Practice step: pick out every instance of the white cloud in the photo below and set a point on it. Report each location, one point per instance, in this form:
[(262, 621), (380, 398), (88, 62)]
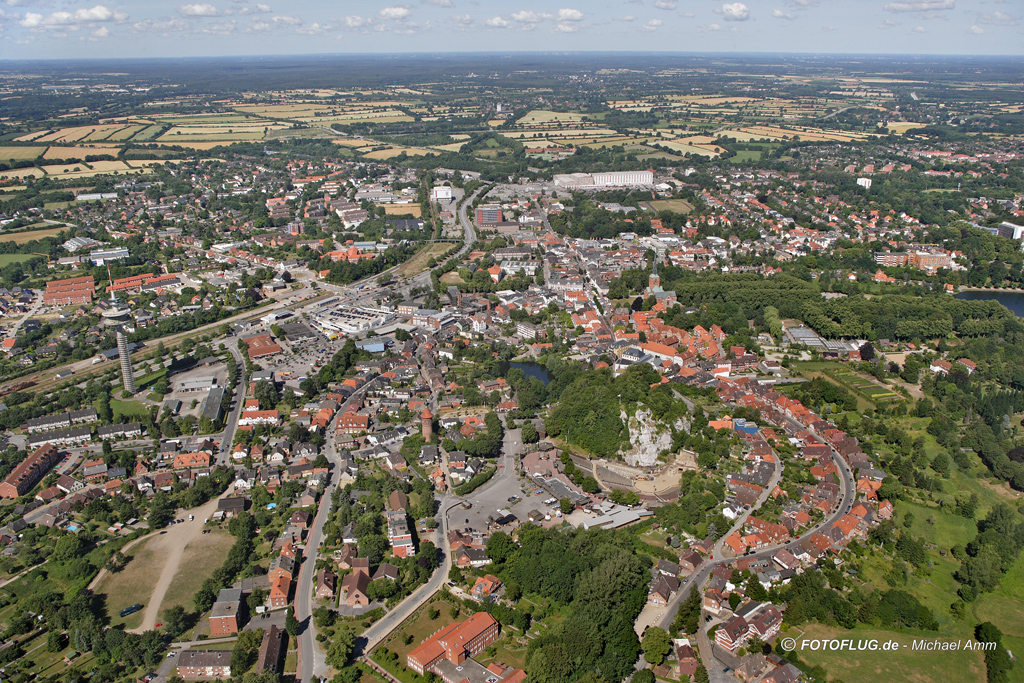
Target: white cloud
[(828, 29), (259, 26), (709, 28), (462, 19), (976, 30), (566, 28), (919, 29), (497, 22), (665, 4), (90, 15), (628, 17), (803, 4), (313, 29), (199, 10), (889, 23), (354, 22), (529, 17), (735, 11), (998, 19), (570, 15), (440, 3), (288, 21), (920, 6), (398, 12), (653, 25), (101, 32), (262, 9), (779, 14)]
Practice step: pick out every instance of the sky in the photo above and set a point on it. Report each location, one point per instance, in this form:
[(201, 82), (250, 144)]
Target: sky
[(68, 29)]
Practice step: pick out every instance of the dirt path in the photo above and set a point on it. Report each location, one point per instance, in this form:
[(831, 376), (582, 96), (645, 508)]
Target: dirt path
[(170, 545)]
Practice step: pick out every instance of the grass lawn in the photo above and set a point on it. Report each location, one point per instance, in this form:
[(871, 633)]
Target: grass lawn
[(6, 259), (131, 585), (290, 661), (676, 205), (509, 653), (902, 665), (128, 408), (199, 559), (420, 626), (947, 531)]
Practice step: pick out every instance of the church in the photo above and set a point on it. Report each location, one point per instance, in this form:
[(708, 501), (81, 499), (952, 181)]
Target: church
[(654, 287)]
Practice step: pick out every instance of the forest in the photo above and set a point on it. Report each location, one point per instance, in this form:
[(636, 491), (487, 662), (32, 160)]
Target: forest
[(598, 579)]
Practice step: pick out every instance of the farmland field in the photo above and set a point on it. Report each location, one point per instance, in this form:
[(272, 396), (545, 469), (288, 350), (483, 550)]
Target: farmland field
[(20, 153), (25, 237), (147, 133), (395, 151), (539, 116), (79, 152), (22, 173)]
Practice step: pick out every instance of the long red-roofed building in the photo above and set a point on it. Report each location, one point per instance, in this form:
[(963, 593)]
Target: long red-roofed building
[(456, 643)]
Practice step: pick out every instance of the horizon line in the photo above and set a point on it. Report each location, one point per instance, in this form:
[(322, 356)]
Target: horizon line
[(511, 53)]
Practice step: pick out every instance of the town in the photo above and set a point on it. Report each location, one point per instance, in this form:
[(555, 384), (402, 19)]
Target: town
[(288, 411)]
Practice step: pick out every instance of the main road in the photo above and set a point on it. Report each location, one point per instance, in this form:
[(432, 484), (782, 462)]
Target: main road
[(312, 659)]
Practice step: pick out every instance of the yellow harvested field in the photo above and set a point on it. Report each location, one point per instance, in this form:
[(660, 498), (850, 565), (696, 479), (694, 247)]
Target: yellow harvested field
[(493, 123), (79, 152), (25, 237), (173, 137), (540, 116), (349, 142), (402, 209), (452, 147), (394, 152), (685, 146), (191, 144), (20, 153), (903, 126), (560, 133), (777, 133), (31, 137), (76, 133), (22, 173), (712, 101)]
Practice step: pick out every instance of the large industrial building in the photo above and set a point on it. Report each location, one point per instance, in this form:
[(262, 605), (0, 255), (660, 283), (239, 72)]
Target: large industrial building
[(595, 181)]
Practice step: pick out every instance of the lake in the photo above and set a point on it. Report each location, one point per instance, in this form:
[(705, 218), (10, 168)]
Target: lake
[(529, 368), (1012, 300)]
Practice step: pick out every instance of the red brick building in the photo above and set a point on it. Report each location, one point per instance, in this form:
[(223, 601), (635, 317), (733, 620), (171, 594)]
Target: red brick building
[(30, 471), (456, 643)]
